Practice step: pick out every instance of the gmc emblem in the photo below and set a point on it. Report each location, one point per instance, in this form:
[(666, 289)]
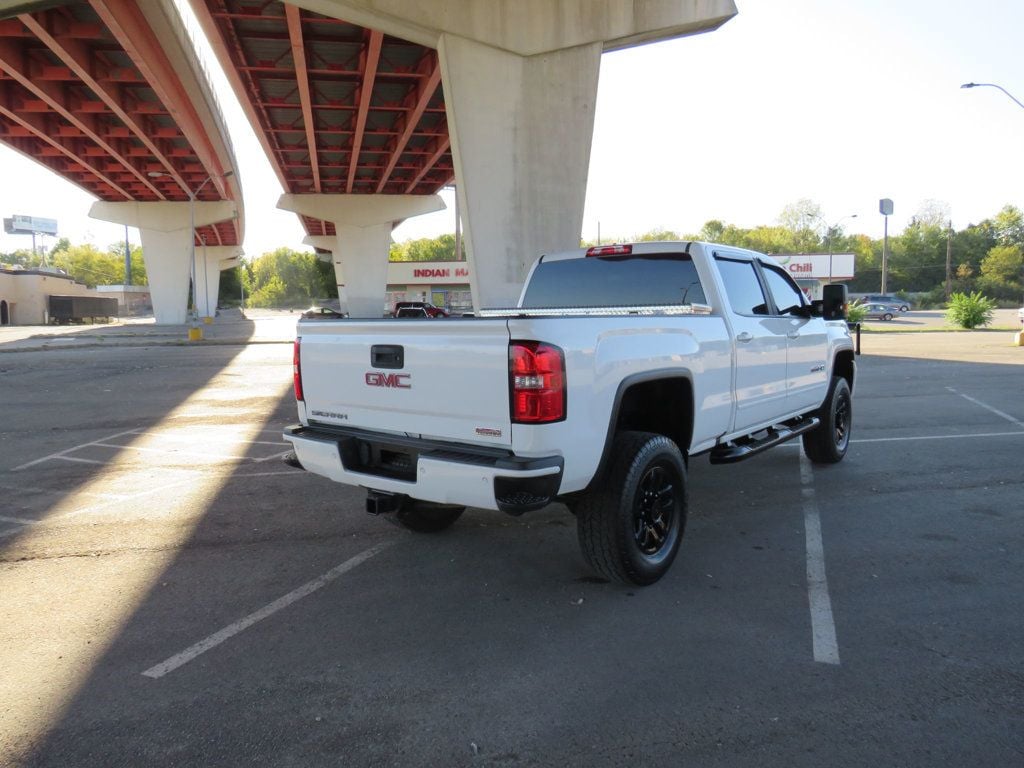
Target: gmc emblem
[(392, 380)]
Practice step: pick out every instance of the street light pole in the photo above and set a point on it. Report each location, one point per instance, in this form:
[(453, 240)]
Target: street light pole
[(994, 85), (1019, 104)]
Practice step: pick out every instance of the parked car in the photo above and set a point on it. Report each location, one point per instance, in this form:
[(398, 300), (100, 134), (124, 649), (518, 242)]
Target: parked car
[(418, 309), (875, 311), (322, 313), (881, 298), (1020, 315)]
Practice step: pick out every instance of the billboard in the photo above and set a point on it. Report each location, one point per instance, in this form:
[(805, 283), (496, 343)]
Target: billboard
[(29, 225)]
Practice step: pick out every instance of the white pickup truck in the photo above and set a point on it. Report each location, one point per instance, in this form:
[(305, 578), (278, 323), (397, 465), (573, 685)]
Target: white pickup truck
[(619, 364)]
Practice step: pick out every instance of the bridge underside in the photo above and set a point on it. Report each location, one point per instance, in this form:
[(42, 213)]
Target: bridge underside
[(340, 109), (87, 91)]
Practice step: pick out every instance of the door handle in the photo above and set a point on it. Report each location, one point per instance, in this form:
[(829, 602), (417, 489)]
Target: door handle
[(793, 335), (744, 337)]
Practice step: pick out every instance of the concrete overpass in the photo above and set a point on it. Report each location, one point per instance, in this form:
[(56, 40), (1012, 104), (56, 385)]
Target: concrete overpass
[(109, 94), (367, 107)]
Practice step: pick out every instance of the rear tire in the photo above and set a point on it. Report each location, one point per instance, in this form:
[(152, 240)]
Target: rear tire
[(631, 523), (424, 517), (829, 442)]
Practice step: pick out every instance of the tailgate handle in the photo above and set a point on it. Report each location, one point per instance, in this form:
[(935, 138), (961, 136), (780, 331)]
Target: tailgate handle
[(387, 356)]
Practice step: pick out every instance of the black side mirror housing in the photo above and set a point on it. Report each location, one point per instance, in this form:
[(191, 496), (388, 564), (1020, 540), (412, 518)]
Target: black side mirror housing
[(833, 302)]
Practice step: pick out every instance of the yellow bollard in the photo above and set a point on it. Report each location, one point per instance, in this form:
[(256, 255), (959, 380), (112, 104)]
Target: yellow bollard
[(195, 334), (1018, 339), (207, 321)]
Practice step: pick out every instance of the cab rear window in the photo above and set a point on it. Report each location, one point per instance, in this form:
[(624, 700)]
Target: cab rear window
[(634, 280)]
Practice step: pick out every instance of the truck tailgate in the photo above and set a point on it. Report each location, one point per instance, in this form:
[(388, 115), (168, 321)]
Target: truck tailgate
[(439, 379)]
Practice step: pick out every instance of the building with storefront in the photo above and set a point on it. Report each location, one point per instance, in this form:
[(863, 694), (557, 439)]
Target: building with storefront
[(812, 271), (442, 283), (25, 294)]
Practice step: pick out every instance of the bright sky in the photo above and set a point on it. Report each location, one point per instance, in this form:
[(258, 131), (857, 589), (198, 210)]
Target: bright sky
[(842, 103)]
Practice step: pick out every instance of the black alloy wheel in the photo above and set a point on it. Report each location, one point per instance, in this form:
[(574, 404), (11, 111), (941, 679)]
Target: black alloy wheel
[(655, 510)]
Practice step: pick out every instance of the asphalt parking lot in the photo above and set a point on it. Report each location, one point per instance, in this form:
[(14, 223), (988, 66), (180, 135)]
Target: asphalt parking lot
[(172, 594)]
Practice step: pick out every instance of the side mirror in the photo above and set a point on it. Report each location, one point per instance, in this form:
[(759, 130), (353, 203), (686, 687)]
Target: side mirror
[(833, 302)]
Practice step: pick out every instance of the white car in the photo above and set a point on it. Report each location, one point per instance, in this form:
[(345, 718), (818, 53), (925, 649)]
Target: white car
[(1020, 314)]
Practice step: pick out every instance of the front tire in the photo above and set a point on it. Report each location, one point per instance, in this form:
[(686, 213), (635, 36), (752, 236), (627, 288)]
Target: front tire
[(631, 524), (829, 442), (424, 517)]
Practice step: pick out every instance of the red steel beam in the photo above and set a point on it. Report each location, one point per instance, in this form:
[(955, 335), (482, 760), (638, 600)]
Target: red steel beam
[(75, 55), (133, 31), (365, 94), (442, 147), (424, 93), (302, 76), (36, 125), (12, 60)]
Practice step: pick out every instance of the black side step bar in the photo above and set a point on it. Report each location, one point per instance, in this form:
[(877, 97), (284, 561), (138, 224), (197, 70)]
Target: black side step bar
[(733, 452)]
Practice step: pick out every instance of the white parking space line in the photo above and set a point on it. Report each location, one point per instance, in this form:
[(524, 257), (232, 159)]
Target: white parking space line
[(272, 456), (796, 443), (61, 454), (173, 452), (17, 520), (292, 472), (988, 407), (24, 489), (78, 460), (937, 437), (177, 437), (823, 627), (270, 609)]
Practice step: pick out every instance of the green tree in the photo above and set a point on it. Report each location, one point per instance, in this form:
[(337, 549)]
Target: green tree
[(1001, 272), (87, 264), (440, 248), (293, 276), (272, 293), (657, 235), (1009, 226), (138, 264)]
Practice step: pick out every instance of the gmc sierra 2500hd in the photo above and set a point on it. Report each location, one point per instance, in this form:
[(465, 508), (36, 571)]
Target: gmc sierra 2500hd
[(619, 364)]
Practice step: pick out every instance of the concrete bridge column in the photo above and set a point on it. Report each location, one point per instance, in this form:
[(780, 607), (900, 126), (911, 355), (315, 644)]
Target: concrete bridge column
[(210, 262), (521, 129), (167, 247), (168, 268), (363, 225)]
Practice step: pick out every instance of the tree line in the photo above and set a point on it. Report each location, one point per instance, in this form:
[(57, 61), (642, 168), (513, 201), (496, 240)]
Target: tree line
[(987, 257)]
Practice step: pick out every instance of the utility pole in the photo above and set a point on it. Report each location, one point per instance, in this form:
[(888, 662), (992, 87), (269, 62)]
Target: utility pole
[(949, 259), (885, 208)]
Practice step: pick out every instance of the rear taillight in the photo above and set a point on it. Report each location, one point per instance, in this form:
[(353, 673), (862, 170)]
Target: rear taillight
[(297, 371), (536, 382)]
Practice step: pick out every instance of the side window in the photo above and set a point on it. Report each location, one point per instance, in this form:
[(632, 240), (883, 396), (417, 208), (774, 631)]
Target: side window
[(785, 292), (742, 287)]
